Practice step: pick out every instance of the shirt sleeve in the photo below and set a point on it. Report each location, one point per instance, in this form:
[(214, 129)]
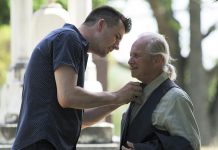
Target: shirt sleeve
[(174, 113), (66, 50)]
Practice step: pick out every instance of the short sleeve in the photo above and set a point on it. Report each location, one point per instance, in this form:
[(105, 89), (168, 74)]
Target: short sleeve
[(67, 50)]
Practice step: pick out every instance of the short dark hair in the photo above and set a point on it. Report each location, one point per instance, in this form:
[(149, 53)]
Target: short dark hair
[(110, 15)]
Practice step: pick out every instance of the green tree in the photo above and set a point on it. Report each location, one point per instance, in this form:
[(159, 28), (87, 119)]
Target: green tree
[(4, 52), (4, 12), (96, 3), (192, 75), (5, 7), (38, 3)]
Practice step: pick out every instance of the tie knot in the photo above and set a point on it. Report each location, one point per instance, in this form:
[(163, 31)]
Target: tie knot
[(142, 85)]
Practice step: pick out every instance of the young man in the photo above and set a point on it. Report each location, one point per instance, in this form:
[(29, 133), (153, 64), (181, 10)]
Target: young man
[(54, 104), (165, 120)]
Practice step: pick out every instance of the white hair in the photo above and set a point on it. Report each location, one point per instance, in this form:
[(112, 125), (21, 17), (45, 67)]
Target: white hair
[(158, 45)]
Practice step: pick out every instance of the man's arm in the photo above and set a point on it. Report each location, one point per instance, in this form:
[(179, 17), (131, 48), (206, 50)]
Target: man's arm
[(93, 115), (72, 96)]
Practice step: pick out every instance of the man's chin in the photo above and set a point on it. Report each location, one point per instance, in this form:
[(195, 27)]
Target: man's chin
[(133, 74), (103, 54)]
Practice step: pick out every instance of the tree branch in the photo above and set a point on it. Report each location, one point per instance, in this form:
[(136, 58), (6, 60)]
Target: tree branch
[(210, 30)]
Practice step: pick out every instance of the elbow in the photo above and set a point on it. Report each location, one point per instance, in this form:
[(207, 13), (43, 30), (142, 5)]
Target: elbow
[(67, 102), (68, 99), (63, 102), (86, 124)]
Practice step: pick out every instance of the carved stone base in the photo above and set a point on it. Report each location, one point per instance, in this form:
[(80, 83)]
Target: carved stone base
[(96, 137), (101, 132)]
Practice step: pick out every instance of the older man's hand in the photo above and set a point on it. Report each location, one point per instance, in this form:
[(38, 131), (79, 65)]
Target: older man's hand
[(130, 146)]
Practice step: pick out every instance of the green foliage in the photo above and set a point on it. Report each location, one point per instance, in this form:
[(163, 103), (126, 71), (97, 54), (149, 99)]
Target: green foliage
[(4, 11), (63, 3), (97, 3), (168, 4), (175, 25), (5, 7), (39, 3), (212, 88), (4, 52)]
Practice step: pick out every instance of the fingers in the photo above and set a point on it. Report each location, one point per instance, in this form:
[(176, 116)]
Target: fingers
[(129, 92), (130, 145), (136, 90), (124, 148), (137, 99), (135, 83)]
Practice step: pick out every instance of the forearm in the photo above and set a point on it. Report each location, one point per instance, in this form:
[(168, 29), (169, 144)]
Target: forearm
[(82, 99), (93, 115), (72, 96)]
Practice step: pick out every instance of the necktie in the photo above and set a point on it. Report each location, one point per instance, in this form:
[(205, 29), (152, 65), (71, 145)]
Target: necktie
[(135, 107)]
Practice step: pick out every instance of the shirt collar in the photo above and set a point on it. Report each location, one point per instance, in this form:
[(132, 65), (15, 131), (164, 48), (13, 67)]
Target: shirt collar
[(148, 89), (154, 84), (84, 41)]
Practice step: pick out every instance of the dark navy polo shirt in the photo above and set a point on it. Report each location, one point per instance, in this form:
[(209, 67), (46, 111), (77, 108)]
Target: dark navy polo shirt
[(41, 116)]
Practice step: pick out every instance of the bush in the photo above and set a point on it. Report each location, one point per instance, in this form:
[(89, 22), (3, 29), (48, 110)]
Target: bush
[(4, 52)]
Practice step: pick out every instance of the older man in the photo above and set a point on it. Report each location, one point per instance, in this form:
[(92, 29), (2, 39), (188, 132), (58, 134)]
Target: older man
[(165, 121)]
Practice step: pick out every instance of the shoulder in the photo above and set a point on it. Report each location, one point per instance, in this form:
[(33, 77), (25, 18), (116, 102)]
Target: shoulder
[(175, 98), (68, 34), (68, 39)]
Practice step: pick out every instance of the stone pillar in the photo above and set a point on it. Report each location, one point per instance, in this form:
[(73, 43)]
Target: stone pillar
[(102, 75), (21, 13), (79, 9), (46, 19)]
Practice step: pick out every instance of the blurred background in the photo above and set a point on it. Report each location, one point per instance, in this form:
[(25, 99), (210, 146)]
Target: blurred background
[(190, 27)]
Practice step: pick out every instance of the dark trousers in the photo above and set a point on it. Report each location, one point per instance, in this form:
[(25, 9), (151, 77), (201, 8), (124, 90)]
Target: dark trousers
[(40, 145)]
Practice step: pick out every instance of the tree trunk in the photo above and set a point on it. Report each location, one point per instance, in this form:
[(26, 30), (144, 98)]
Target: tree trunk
[(198, 84), (169, 26), (192, 73), (214, 112)]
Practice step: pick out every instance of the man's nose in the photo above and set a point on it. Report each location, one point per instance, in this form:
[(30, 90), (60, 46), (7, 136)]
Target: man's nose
[(130, 61), (116, 45)]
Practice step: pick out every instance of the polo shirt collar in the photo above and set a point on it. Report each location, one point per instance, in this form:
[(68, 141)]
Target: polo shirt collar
[(84, 41)]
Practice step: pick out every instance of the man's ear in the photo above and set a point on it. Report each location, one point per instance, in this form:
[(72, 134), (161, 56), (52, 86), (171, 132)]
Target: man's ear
[(158, 60), (100, 24)]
